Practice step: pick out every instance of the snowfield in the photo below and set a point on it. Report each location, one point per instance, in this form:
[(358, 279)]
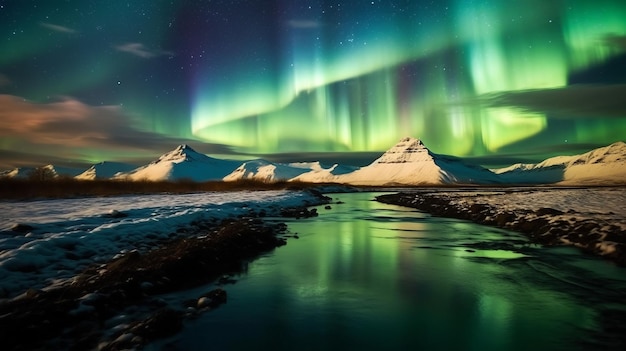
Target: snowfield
[(48, 241)]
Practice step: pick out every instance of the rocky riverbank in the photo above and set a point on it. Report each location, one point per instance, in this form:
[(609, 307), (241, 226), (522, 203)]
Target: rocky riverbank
[(117, 306), (598, 233)]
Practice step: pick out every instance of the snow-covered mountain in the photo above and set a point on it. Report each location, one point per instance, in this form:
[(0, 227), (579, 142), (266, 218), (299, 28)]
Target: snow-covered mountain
[(410, 163), (105, 170), (266, 171), (318, 174), (605, 165), (18, 173), (54, 171), (407, 163), (182, 163)]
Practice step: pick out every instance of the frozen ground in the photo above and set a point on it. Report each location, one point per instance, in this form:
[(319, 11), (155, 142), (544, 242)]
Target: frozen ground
[(593, 219), (57, 239), (607, 203)]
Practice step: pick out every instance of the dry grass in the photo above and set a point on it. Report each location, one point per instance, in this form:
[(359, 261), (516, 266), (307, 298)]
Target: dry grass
[(20, 189)]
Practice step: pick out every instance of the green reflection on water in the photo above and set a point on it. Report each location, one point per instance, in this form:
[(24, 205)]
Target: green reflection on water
[(368, 275)]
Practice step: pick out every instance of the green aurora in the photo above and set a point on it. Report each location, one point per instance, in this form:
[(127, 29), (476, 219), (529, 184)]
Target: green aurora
[(491, 79)]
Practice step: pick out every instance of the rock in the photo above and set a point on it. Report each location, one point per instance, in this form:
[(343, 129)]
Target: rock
[(298, 212), (548, 211), (165, 322), (115, 214), (22, 228), (213, 298), (503, 218), (203, 302), (532, 225), (327, 207)]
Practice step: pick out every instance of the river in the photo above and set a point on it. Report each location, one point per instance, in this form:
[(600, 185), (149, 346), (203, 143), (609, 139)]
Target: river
[(365, 275)]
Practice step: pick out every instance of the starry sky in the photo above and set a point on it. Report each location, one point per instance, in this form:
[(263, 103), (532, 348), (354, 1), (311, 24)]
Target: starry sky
[(494, 81)]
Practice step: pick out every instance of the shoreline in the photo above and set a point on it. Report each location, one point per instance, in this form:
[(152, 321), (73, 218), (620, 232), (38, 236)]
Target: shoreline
[(543, 225), (116, 305)]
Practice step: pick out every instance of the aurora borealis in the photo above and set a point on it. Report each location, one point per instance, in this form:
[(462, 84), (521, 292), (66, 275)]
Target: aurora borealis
[(500, 81)]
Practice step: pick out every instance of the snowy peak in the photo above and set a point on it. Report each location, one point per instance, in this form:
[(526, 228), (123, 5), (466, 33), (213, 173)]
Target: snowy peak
[(17, 173), (613, 153), (182, 153), (104, 170), (409, 162), (266, 171), (182, 163), (605, 165), (407, 150)]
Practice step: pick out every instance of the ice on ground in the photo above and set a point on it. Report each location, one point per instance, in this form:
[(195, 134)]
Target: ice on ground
[(59, 238)]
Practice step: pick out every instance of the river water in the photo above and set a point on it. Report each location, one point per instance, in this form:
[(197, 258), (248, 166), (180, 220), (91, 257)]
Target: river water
[(369, 276)]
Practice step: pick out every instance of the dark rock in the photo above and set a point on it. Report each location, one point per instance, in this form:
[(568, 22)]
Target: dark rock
[(213, 298), (533, 225), (616, 236), (546, 211), (298, 212), (503, 218), (163, 323), (327, 207), (22, 228)]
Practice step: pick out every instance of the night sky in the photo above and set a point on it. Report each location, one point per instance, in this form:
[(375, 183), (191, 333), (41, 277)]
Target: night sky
[(497, 81)]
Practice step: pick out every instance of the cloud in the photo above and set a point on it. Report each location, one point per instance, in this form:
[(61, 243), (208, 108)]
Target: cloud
[(70, 128), (304, 24), (140, 50), (57, 28), (572, 102)]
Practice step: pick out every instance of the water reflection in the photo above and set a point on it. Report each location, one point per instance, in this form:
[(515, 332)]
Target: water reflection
[(373, 276)]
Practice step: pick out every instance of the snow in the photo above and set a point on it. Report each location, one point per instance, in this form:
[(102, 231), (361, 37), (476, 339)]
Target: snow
[(182, 163), (105, 170), (319, 174), (25, 172), (266, 171), (410, 163), (70, 234), (603, 206), (608, 201), (602, 166), (19, 172)]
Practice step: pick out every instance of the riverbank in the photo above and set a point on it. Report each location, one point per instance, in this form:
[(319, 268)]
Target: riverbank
[(589, 219), (116, 305), (116, 272)]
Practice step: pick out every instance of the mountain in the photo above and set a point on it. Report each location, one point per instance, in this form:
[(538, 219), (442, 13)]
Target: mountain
[(105, 170), (318, 174), (182, 163), (602, 166), (18, 173), (51, 170), (410, 163), (266, 171)]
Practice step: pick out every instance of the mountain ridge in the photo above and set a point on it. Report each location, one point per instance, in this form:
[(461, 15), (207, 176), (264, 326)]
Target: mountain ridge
[(607, 163), (409, 162)]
